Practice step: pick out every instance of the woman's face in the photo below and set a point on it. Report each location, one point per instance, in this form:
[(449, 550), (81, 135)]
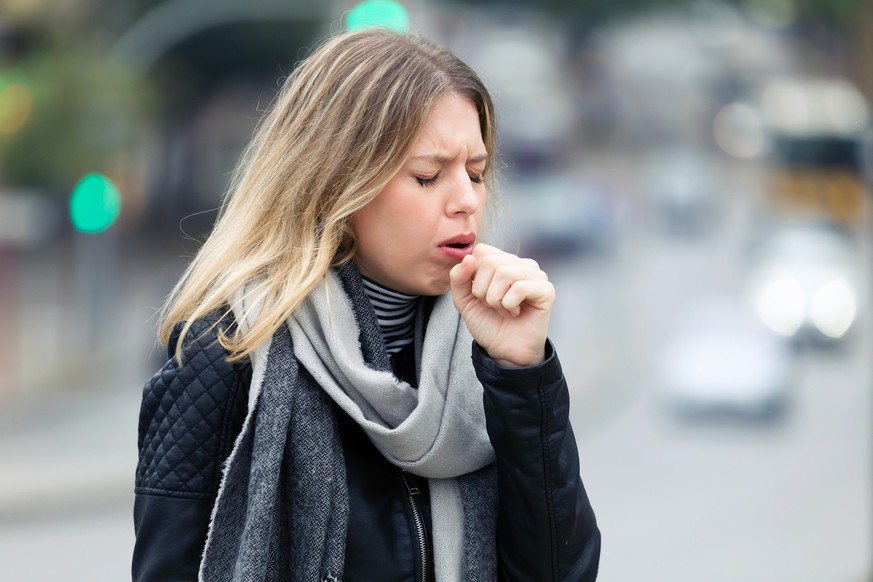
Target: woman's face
[(427, 217)]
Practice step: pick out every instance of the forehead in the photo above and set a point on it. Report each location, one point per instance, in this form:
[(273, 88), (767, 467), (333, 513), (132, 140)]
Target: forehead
[(451, 125)]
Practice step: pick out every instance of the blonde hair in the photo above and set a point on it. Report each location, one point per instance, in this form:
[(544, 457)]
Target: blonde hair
[(341, 126)]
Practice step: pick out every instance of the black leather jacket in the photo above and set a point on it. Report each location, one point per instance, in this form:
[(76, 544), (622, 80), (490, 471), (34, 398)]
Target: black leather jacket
[(191, 415)]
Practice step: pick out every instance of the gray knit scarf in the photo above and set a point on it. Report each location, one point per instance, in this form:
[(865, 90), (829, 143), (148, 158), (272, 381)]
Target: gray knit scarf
[(282, 508)]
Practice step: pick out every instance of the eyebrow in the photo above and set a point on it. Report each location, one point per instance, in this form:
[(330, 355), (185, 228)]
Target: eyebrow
[(442, 159)]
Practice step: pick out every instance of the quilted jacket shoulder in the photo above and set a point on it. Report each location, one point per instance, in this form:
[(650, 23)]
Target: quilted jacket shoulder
[(190, 415)]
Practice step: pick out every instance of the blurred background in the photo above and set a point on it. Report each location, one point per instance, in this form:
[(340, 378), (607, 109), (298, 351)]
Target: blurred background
[(694, 175)]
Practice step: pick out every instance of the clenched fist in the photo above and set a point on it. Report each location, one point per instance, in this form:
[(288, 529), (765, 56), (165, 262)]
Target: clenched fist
[(506, 302)]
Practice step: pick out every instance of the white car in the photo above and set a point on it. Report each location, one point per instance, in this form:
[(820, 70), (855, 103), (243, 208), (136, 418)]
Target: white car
[(722, 359), (805, 282)]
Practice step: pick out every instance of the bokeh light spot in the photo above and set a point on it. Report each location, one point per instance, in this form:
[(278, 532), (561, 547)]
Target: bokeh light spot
[(94, 204), (375, 13), (15, 107), (738, 131)]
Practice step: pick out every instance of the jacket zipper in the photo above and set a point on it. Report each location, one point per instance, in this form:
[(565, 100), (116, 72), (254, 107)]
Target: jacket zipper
[(414, 491)]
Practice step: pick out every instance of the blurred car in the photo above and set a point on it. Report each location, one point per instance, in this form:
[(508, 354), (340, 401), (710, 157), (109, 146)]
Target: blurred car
[(722, 360), (557, 215), (524, 62), (805, 281), (682, 185)]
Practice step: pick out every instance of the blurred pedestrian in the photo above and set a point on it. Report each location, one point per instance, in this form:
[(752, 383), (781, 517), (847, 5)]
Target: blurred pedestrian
[(320, 416)]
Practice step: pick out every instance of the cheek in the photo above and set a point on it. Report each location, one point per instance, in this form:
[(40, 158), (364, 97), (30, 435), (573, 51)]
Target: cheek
[(370, 236), (414, 218), (393, 228)]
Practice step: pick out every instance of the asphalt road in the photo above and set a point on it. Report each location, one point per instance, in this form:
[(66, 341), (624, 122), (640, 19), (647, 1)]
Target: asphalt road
[(721, 500)]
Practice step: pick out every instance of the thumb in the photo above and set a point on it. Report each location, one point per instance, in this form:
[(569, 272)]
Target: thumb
[(461, 277)]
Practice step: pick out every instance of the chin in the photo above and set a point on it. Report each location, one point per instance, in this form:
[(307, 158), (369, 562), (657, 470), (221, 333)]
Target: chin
[(430, 285), (440, 290), (440, 286), (425, 284)]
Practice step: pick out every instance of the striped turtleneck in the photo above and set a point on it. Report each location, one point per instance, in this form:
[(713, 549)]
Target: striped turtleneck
[(395, 313)]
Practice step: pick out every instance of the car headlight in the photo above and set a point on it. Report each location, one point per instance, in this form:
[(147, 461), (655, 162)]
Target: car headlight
[(833, 308), (781, 305)]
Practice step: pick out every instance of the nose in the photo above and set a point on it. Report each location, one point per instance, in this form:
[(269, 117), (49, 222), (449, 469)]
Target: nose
[(463, 195)]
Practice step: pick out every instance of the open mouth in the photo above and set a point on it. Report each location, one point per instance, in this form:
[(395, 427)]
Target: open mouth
[(461, 241), (458, 247)]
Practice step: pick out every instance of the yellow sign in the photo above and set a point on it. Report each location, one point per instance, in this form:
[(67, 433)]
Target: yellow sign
[(836, 193)]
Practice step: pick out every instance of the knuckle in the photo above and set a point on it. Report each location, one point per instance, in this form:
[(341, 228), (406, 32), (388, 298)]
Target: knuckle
[(531, 264), (486, 260), (550, 289), (503, 271)]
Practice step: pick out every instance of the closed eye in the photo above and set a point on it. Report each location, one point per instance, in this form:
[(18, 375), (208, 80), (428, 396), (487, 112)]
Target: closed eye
[(430, 180), (426, 181)]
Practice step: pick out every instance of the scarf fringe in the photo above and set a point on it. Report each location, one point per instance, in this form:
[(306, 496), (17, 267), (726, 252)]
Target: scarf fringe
[(274, 517)]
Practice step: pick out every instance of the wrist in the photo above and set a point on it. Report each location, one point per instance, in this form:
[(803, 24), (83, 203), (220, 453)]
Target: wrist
[(524, 361), (482, 361)]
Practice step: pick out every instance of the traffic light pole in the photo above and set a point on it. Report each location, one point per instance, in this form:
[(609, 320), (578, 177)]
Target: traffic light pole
[(10, 307), (96, 267)]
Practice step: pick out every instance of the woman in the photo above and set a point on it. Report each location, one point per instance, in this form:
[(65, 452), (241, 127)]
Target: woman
[(320, 417)]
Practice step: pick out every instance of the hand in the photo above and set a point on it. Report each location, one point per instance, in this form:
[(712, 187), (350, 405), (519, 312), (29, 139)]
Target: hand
[(506, 302)]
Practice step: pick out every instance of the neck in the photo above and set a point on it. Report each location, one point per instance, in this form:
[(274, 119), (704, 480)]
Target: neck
[(395, 312)]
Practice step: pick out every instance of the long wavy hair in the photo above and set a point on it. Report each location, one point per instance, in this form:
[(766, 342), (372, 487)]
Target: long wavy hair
[(339, 129)]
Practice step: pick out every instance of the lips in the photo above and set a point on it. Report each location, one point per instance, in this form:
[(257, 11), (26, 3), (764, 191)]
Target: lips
[(459, 246)]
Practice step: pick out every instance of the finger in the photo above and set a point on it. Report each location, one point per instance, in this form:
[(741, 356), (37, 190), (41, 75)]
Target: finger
[(488, 253), (461, 276), (488, 260), (482, 249), (532, 268), (504, 277), (537, 294), (504, 269)]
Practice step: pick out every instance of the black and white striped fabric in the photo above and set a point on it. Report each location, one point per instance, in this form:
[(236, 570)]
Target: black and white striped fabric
[(395, 313)]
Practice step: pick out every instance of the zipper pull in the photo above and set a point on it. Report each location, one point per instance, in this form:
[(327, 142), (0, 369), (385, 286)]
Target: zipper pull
[(411, 483)]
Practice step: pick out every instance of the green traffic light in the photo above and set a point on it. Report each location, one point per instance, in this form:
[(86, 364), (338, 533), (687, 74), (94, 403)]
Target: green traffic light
[(371, 13), (94, 204)]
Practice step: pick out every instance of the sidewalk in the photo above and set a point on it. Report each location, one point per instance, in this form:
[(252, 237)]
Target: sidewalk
[(73, 450), (68, 421), (67, 466)]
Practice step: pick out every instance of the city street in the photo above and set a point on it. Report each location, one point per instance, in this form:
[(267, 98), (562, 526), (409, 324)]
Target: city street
[(786, 498), (696, 178)]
